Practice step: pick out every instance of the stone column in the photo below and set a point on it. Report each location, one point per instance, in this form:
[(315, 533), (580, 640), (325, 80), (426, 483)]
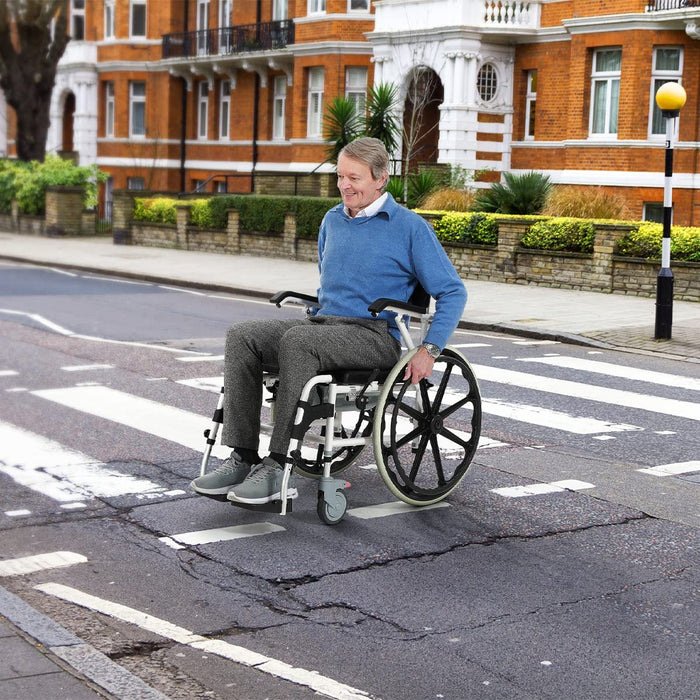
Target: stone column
[(182, 215), (122, 213), (289, 236), (233, 232), (602, 269), (64, 211)]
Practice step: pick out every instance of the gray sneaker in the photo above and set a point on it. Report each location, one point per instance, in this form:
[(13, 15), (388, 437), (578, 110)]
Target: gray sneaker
[(263, 484), (217, 483)]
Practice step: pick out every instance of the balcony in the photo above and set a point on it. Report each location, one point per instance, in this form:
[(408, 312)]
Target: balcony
[(497, 17), (229, 41), (661, 5)]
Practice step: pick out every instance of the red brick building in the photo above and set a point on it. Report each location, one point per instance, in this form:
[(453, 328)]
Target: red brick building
[(230, 94)]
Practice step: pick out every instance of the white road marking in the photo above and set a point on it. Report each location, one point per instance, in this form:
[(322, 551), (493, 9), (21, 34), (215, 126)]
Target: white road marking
[(672, 469), (167, 422), (212, 384), (17, 513), (70, 334), (300, 676), (39, 562), (8, 373), (539, 489), (65, 475), (577, 390), (621, 371), (549, 418), (536, 342), (222, 534), (381, 510), (209, 358), (84, 368), (471, 345)]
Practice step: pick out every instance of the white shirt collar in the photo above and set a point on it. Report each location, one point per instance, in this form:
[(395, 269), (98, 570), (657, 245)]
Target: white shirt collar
[(370, 209)]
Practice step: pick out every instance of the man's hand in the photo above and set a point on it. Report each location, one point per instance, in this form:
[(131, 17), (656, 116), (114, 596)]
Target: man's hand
[(419, 366)]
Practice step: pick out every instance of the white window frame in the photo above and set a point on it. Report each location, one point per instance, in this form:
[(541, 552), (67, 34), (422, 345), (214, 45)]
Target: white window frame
[(279, 107), (364, 5), (658, 77), (280, 10), (225, 13), (132, 7), (135, 182), (316, 7), (77, 13), (530, 104), (135, 101), (225, 111), (314, 108), (356, 87), (610, 81), (109, 19), (110, 110), (202, 110)]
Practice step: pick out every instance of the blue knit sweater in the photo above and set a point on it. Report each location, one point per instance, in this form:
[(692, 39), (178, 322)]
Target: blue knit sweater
[(365, 258)]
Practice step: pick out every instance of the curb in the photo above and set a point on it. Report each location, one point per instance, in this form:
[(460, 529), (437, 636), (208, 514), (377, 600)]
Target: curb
[(72, 654)]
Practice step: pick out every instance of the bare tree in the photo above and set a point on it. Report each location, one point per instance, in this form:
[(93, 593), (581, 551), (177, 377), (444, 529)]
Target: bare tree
[(33, 37)]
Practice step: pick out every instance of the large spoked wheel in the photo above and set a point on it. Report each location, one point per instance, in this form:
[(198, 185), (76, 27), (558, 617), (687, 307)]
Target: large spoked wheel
[(311, 462), (425, 435)]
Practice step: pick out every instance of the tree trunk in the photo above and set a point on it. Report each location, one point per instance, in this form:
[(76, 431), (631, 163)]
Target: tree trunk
[(29, 54)]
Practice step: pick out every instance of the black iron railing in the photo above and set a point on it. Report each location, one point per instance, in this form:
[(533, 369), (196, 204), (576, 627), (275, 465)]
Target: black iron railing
[(657, 5), (264, 36)]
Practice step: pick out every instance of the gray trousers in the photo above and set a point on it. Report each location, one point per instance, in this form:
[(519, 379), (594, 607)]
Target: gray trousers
[(300, 349)]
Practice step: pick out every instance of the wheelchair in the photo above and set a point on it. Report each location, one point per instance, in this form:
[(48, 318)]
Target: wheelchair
[(424, 435)]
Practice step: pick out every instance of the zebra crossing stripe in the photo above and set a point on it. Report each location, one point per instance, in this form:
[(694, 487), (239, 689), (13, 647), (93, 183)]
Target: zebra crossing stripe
[(589, 392), (39, 562), (620, 371), (381, 510), (672, 469), (539, 489), (220, 534)]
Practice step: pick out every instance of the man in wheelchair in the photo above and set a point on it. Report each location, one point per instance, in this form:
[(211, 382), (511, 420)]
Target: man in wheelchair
[(369, 247)]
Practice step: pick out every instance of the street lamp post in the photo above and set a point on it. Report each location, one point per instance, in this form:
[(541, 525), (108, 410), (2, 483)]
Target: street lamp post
[(670, 98)]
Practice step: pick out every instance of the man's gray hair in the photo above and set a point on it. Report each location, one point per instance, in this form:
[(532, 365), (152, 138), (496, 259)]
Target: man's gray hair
[(370, 151)]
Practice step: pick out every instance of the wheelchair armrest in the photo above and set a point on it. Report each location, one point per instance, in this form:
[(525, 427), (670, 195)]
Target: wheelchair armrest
[(394, 305), (288, 297)]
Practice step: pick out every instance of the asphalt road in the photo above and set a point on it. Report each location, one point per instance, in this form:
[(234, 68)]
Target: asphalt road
[(564, 565)]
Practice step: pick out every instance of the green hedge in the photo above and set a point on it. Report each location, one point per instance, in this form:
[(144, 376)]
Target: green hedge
[(264, 213), (27, 182), (571, 235), (467, 227), (645, 242)]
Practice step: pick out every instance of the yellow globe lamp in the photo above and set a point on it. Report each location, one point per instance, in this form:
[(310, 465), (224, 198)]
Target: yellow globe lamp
[(671, 97)]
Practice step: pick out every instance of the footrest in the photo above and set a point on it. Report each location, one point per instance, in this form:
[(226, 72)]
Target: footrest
[(271, 507)]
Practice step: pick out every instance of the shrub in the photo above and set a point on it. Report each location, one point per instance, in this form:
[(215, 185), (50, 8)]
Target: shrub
[(645, 242), (310, 212), (467, 228), (420, 185), (31, 180), (520, 194), (449, 199), (159, 210), (395, 187), (8, 182), (585, 203), (572, 235)]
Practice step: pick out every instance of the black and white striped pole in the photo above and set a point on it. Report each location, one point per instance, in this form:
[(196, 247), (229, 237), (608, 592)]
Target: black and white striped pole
[(670, 98)]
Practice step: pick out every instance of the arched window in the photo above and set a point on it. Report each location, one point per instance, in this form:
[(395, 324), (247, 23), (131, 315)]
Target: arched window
[(487, 82)]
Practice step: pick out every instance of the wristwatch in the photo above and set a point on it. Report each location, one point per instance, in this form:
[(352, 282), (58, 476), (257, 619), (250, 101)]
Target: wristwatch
[(433, 350)]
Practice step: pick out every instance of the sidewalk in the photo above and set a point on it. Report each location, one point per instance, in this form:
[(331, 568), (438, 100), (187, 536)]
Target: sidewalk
[(591, 318)]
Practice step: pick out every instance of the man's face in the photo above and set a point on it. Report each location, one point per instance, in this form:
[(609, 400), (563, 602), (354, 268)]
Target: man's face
[(357, 186)]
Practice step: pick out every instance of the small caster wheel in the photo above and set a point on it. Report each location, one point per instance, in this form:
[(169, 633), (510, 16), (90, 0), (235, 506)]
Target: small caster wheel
[(331, 513)]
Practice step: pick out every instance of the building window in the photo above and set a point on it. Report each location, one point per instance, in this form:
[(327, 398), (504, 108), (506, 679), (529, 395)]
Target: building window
[(137, 18), (198, 186), (202, 110), (356, 87), (530, 104), (202, 27), (280, 10), (358, 5), (653, 211), (220, 186), (605, 91), (109, 109), (224, 110), (109, 19), (487, 82), (314, 126), (135, 183), (279, 106), (137, 109), (667, 68), (225, 13), (316, 7), (77, 20)]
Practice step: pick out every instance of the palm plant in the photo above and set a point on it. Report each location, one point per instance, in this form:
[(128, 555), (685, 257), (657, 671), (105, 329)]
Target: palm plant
[(520, 194), (381, 120), (343, 124)]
